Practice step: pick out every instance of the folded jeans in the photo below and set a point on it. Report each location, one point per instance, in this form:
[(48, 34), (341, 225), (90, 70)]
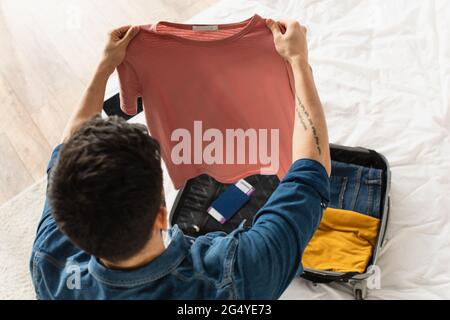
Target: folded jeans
[(355, 188)]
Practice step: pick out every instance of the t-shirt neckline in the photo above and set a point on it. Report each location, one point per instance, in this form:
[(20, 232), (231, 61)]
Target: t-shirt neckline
[(247, 23)]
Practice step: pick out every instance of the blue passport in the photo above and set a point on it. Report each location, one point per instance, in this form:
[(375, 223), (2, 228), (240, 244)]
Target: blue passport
[(230, 201)]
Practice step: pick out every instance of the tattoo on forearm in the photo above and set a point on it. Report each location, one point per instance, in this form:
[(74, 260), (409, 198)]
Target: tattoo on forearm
[(302, 113), (302, 121)]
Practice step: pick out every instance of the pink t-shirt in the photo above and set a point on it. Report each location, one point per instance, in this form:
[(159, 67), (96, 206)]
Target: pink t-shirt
[(218, 98)]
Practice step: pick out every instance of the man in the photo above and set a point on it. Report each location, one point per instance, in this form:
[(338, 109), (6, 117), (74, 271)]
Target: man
[(101, 233)]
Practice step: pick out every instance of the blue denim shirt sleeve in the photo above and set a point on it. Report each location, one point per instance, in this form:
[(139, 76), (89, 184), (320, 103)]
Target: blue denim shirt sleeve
[(256, 263), (268, 255), (47, 222)]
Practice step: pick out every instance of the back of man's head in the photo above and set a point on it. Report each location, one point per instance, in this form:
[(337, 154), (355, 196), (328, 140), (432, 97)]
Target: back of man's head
[(105, 190)]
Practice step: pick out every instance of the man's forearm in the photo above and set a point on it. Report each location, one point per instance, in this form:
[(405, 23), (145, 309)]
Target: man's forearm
[(310, 136), (92, 101)]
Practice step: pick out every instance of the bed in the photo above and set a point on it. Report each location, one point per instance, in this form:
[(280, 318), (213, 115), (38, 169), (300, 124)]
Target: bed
[(383, 73)]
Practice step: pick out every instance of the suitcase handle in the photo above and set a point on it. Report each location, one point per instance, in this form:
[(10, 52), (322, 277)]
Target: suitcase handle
[(318, 278)]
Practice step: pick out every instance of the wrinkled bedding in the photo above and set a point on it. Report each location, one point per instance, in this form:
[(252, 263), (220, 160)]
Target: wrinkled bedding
[(382, 69)]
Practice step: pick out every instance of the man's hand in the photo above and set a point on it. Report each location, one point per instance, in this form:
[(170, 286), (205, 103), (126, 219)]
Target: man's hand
[(290, 40), (92, 101), (116, 47)]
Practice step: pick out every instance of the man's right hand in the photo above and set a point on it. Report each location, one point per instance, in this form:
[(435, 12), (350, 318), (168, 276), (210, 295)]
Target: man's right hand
[(290, 44), (116, 46)]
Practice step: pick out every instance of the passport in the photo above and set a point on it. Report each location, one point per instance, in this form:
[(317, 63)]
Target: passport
[(230, 201)]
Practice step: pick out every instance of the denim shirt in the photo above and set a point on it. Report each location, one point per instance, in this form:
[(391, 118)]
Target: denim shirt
[(252, 263)]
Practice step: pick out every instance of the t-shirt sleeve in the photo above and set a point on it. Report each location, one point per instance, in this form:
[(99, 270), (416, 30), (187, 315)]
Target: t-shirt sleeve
[(130, 88)]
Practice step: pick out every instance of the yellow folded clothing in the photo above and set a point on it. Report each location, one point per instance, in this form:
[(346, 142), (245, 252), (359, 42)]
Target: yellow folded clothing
[(343, 242)]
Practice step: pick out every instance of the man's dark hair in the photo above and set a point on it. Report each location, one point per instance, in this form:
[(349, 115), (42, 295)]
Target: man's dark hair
[(106, 188)]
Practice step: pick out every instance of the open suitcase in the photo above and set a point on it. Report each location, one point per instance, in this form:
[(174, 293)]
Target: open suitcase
[(189, 210), (192, 201)]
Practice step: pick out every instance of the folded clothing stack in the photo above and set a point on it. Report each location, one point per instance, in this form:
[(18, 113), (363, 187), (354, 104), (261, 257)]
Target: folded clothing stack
[(348, 231)]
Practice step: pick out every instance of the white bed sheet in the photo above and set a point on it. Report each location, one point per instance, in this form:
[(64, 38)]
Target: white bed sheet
[(383, 73)]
